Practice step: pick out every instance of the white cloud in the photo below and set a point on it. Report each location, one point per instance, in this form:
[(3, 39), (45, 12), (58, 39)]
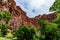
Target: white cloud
[(36, 3), (35, 7)]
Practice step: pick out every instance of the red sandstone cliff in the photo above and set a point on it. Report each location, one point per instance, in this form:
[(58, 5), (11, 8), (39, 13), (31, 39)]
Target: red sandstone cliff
[(19, 16)]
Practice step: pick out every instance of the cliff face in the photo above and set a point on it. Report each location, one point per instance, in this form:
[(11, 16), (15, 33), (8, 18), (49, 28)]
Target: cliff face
[(19, 16)]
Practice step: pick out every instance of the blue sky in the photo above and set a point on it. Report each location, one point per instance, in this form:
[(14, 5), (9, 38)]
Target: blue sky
[(35, 7)]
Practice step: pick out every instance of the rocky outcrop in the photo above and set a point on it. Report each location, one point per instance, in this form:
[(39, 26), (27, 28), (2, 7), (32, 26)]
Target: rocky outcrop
[(19, 16)]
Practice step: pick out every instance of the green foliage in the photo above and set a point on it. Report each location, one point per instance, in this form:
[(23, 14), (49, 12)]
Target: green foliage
[(1, 15), (56, 6), (57, 20), (42, 22), (49, 31), (5, 15), (51, 27), (4, 29), (24, 33)]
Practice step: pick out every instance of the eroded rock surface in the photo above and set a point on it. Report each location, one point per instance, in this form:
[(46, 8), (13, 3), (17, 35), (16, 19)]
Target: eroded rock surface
[(19, 16)]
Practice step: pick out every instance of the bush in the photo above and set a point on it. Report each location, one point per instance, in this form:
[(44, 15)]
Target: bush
[(7, 16), (4, 29), (24, 33)]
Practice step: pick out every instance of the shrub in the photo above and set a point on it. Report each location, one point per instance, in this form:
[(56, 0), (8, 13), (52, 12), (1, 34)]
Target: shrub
[(4, 29), (7, 16), (24, 33)]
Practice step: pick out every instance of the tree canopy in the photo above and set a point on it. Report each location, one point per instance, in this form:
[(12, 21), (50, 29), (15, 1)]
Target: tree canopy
[(56, 6)]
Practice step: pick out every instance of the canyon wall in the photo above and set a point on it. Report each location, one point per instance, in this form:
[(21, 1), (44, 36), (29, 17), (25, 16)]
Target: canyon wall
[(19, 17)]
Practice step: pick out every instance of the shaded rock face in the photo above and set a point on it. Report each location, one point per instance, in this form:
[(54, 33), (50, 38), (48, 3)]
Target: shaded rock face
[(19, 17)]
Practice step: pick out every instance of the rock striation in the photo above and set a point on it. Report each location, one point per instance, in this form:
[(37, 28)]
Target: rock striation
[(19, 17)]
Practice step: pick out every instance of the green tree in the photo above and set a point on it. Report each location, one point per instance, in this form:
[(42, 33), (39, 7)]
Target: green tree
[(4, 29), (6, 16), (56, 6), (24, 33), (42, 24), (48, 31)]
